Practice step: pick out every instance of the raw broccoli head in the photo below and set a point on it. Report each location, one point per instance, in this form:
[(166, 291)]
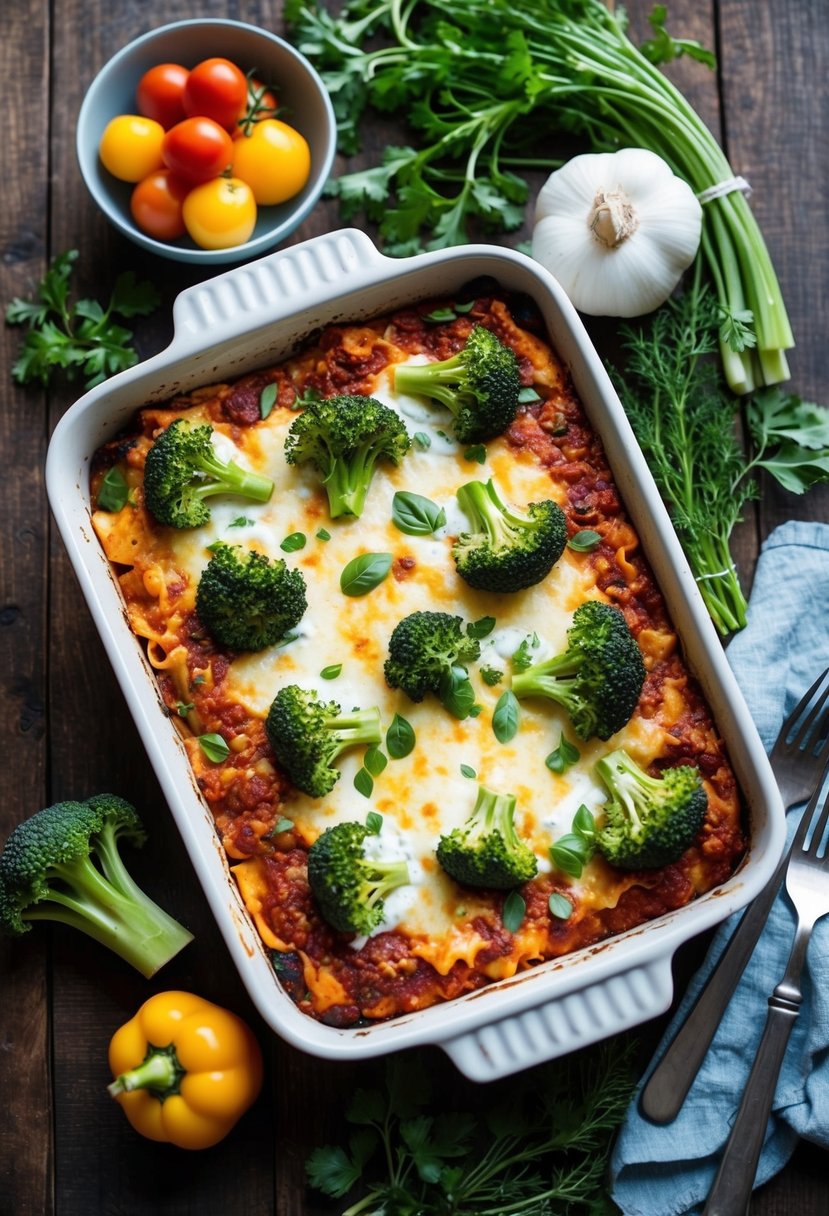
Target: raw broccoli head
[(343, 438), (64, 864), (307, 735), (480, 385), (487, 851), (505, 551), (599, 677), (246, 600), (182, 470), (650, 821), (348, 886), (427, 653)]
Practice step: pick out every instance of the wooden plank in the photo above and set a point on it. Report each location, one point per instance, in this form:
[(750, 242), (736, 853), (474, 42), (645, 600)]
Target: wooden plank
[(773, 61), (25, 1126)]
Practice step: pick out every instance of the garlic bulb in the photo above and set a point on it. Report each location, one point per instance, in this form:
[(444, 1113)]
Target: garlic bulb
[(616, 229)]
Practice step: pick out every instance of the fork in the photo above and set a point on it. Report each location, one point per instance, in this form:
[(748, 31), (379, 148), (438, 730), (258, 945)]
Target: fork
[(807, 884), (797, 760)]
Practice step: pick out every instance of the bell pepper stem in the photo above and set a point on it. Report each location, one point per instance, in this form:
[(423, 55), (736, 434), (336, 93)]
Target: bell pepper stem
[(159, 1072)]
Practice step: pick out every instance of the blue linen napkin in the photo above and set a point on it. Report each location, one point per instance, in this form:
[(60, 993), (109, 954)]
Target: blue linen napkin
[(668, 1170)]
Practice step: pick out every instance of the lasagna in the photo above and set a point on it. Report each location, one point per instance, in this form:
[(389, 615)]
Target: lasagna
[(434, 937)]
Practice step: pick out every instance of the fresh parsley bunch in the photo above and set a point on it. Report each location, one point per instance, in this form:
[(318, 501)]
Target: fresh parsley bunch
[(81, 337), (538, 1147)]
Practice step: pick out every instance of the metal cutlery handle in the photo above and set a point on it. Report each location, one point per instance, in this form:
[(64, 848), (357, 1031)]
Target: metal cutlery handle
[(668, 1084), (733, 1184)]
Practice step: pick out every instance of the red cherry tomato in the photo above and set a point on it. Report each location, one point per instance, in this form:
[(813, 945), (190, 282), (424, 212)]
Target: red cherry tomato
[(160, 94), (197, 149), (216, 89), (156, 205)]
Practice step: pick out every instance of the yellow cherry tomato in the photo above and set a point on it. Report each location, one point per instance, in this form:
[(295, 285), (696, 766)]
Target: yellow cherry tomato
[(185, 1070), (220, 213), (130, 147), (274, 160)]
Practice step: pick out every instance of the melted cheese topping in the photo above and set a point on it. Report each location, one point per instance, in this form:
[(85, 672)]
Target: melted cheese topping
[(425, 794)]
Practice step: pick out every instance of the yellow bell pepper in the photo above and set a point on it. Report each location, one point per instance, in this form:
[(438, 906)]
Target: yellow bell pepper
[(185, 1069)]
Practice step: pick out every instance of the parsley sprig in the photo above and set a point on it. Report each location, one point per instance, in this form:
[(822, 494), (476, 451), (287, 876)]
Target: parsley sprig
[(82, 337), (540, 1147)]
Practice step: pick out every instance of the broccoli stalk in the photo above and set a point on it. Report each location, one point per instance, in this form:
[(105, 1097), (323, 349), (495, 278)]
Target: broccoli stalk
[(487, 851), (650, 821), (307, 735), (247, 601), (348, 886), (182, 470), (506, 551), (343, 438), (64, 864), (479, 385), (597, 679), (427, 653)]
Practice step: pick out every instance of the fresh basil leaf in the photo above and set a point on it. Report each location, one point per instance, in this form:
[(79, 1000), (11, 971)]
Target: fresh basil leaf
[(331, 673), (457, 693), (214, 747), (183, 708), (481, 628), (422, 440), (506, 716), (463, 309), (282, 825), (364, 783), (416, 515), (374, 760), (513, 912), (527, 395), (564, 756), (114, 492), (294, 542), (476, 453), (438, 315), (364, 573), (323, 534), (241, 521), (566, 860), (468, 771), (584, 824), (584, 541), (560, 906), (374, 823), (400, 738), (267, 400)]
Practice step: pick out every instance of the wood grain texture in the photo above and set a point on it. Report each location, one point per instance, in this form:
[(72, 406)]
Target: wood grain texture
[(58, 988), (25, 1118)]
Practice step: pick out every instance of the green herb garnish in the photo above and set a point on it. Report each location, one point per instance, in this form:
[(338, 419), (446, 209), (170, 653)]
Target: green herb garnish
[(214, 747), (400, 738), (362, 574)]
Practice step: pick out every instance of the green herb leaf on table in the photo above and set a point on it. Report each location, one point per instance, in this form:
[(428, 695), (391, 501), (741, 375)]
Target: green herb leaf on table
[(362, 574), (516, 1153), (416, 515), (400, 738), (83, 337)]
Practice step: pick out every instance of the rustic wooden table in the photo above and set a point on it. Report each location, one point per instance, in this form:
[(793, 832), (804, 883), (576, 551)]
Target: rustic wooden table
[(64, 727)]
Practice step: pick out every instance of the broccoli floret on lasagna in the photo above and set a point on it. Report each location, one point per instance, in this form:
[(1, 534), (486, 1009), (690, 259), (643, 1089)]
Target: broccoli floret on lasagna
[(505, 551), (350, 887), (307, 735), (487, 851), (247, 600)]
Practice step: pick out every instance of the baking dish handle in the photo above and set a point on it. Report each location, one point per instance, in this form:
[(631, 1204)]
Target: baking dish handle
[(557, 1027), (275, 286)]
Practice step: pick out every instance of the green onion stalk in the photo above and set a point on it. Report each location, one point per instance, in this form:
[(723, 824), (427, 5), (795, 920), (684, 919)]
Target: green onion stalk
[(469, 73)]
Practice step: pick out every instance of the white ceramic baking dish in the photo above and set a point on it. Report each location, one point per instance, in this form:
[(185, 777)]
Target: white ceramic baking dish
[(256, 315)]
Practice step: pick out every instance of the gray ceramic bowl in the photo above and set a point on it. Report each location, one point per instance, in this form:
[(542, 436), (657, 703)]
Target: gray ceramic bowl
[(299, 89)]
